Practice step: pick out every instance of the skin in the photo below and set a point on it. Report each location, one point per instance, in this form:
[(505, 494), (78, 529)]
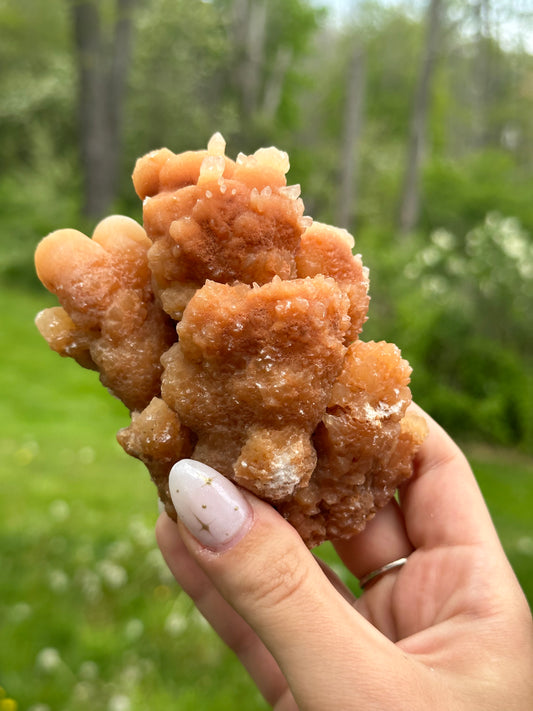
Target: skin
[(450, 630)]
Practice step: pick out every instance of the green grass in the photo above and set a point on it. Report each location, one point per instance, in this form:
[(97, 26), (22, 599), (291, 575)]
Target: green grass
[(506, 480), (89, 616)]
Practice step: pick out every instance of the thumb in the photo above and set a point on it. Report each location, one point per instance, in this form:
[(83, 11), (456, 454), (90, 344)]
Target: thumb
[(258, 562)]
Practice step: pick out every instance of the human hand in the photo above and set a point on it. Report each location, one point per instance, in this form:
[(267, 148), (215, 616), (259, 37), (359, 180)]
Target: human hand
[(451, 629)]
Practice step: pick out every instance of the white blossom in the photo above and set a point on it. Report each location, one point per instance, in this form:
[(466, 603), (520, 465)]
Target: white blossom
[(88, 671), (175, 624), (113, 575), (134, 629), (58, 580), (48, 660), (59, 510), (119, 702)]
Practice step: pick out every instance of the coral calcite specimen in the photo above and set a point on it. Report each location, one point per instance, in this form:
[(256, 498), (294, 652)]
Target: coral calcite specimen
[(252, 377), (235, 222), (230, 329), (364, 443), (108, 319)]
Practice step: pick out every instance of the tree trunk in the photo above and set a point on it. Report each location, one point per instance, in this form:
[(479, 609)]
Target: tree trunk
[(249, 34), (481, 77), (102, 72), (274, 87), (410, 196), (353, 120)]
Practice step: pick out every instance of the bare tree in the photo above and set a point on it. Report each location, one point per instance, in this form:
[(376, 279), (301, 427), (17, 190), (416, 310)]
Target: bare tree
[(410, 196), (249, 34), (274, 86), (353, 120), (103, 59), (482, 71), (264, 53)]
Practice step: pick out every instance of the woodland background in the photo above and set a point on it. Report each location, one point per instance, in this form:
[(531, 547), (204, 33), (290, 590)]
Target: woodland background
[(410, 123)]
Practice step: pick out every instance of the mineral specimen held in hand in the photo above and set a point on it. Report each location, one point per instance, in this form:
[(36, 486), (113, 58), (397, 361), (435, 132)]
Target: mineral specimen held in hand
[(229, 327)]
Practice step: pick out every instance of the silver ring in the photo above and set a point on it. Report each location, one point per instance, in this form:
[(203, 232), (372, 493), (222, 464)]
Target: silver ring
[(380, 571)]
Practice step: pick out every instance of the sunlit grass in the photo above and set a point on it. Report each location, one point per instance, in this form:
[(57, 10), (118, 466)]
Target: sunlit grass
[(90, 618), (506, 480)]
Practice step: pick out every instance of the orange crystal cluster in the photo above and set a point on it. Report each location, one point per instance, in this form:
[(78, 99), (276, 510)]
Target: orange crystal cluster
[(229, 326)]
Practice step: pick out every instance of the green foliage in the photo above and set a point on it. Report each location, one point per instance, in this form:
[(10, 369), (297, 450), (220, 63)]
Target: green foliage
[(177, 96), (463, 318), (91, 618), (36, 199), (485, 278), (505, 480), (459, 308), (458, 195), (38, 165), (37, 82)]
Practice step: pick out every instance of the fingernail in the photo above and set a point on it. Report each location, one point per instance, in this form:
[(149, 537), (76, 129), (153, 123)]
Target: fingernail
[(210, 506)]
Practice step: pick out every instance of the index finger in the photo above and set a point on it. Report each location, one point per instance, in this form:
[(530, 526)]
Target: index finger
[(442, 503)]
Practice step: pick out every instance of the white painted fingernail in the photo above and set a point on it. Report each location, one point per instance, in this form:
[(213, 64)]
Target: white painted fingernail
[(209, 504), (160, 506)]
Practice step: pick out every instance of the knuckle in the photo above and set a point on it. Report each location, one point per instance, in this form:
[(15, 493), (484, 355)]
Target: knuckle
[(280, 582)]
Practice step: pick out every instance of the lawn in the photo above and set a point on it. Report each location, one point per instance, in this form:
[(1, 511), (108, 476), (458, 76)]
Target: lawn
[(89, 616)]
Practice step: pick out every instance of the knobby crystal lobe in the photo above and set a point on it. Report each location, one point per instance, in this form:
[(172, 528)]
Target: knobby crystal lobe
[(229, 326)]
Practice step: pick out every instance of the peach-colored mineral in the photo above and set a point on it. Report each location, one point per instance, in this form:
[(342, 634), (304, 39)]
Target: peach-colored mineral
[(229, 326)]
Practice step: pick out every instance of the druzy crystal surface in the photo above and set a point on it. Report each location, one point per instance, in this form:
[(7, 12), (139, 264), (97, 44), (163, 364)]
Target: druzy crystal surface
[(229, 325)]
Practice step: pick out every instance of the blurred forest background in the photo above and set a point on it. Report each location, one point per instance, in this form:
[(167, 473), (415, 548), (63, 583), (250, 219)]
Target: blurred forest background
[(408, 122)]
